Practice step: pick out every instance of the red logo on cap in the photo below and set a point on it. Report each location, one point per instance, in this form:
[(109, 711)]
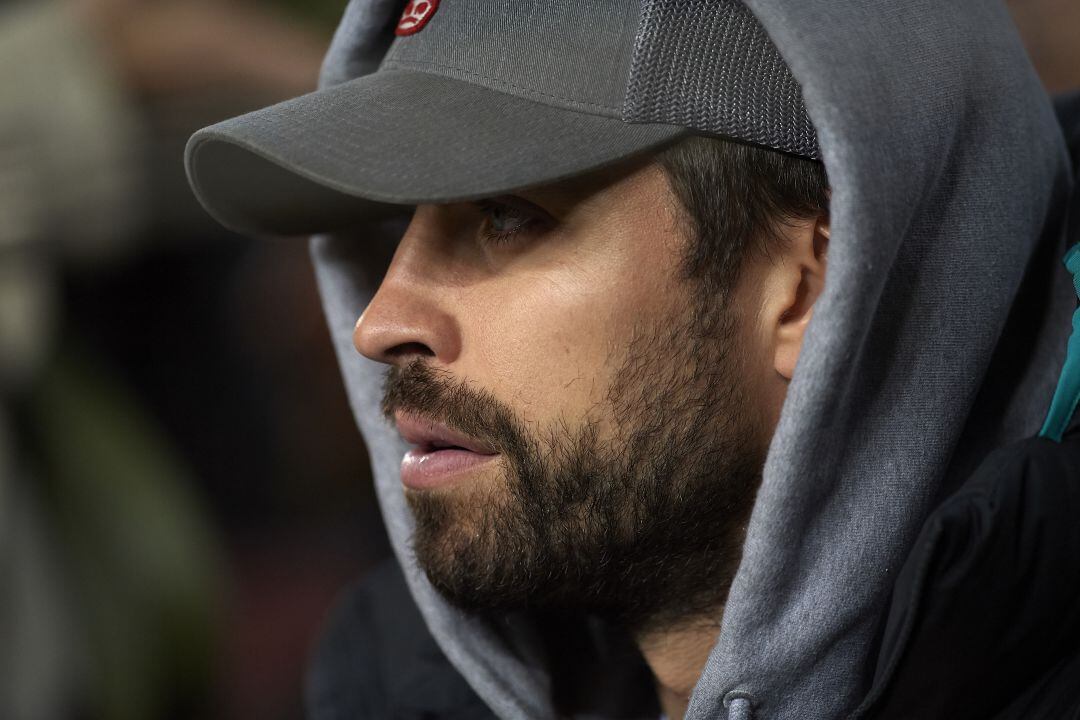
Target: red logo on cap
[(415, 17)]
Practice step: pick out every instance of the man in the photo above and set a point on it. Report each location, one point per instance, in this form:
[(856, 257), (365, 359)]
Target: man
[(665, 405)]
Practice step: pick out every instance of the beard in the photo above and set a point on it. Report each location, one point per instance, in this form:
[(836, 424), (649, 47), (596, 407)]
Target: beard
[(643, 527)]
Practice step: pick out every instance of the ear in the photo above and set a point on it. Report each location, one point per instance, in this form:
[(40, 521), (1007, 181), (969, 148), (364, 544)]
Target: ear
[(797, 278)]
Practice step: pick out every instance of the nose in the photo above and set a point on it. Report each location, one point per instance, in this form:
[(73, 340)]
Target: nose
[(409, 316)]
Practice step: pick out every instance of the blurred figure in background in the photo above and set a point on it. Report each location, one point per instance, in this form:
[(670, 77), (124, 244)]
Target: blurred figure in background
[(173, 522), (1050, 29)]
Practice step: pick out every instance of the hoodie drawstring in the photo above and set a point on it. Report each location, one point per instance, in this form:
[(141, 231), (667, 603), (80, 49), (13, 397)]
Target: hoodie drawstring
[(738, 705)]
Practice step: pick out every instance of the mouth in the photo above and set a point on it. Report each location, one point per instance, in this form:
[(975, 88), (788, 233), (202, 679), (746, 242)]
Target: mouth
[(440, 455)]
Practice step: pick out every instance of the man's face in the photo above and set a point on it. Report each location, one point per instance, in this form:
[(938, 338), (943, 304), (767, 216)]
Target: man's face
[(609, 443)]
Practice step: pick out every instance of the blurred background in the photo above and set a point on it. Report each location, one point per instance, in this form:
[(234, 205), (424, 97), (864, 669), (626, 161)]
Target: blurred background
[(183, 493)]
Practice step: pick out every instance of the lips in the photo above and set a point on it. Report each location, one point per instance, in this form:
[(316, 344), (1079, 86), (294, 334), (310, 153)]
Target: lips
[(430, 435), (441, 455)]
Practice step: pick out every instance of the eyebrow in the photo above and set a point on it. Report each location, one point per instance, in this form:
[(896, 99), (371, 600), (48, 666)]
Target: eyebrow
[(562, 195), (512, 200)]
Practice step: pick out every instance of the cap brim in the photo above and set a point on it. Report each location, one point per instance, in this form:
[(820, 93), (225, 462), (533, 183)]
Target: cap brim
[(328, 159)]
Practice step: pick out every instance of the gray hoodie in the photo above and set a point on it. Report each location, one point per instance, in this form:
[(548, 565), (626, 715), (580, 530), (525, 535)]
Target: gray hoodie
[(950, 177)]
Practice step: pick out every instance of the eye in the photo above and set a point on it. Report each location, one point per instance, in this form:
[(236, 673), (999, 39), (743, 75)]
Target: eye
[(507, 218)]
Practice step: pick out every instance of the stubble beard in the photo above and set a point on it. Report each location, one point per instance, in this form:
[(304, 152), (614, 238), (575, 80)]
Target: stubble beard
[(643, 528)]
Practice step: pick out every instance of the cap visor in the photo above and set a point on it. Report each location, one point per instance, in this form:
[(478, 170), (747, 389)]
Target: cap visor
[(328, 159)]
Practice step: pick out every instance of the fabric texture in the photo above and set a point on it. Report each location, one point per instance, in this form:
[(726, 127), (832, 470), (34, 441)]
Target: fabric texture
[(378, 660), (939, 337), (670, 84), (493, 96), (563, 54), (309, 157), (1009, 534)]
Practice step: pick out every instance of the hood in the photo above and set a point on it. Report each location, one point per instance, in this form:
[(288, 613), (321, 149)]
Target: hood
[(939, 336)]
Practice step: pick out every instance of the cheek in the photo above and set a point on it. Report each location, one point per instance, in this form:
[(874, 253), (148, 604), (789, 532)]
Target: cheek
[(551, 350)]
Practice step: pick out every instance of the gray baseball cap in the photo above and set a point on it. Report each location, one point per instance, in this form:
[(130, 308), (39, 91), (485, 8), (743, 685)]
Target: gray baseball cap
[(478, 98)]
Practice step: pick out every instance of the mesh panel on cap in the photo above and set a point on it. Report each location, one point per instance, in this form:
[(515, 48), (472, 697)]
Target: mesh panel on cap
[(708, 65)]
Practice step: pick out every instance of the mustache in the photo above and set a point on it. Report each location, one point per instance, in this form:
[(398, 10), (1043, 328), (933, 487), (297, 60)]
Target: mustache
[(433, 393)]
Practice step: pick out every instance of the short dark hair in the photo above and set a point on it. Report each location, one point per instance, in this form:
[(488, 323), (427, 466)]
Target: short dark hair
[(734, 197)]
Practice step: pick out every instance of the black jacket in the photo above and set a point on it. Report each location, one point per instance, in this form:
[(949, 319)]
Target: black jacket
[(985, 617)]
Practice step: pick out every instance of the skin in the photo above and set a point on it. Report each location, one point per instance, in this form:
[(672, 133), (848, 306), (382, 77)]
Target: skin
[(534, 321)]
